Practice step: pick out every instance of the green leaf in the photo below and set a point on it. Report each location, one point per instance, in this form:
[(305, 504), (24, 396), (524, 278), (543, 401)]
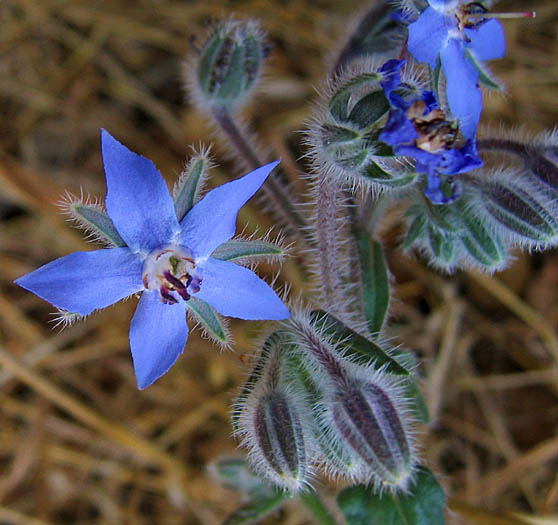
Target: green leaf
[(208, 318), (94, 219), (423, 505), (375, 281), (355, 345), (186, 191), (256, 509), (242, 249)]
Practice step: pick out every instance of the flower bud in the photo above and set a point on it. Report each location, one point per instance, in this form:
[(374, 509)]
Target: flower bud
[(274, 434), (228, 65), (343, 137), (373, 424), (269, 419)]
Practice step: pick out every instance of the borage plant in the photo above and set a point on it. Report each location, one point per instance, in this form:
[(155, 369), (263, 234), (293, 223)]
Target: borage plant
[(329, 394)]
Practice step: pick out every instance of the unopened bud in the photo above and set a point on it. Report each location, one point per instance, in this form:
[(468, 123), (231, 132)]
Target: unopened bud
[(274, 434), (228, 65), (372, 423)]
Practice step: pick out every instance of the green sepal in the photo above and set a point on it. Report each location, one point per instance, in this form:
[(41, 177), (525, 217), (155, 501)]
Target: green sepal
[(484, 76), (245, 249), (374, 280), (96, 220), (187, 190), (423, 505), (374, 173), (209, 319), (256, 509), (338, 456), (354, 345), (369, 109), (339, 104), (484, 246)]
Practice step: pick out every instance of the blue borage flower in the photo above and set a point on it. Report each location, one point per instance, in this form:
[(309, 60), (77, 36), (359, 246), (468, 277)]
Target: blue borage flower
[(452, 31), (418, 128), (165, 259)]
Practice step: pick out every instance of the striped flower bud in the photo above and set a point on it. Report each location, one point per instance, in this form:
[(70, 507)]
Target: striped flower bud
[(373, 424), (270, 421), (228, 65)]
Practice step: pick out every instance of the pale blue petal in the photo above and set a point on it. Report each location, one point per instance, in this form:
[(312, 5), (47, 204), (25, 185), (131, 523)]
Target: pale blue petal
[(440, 5), (158, 334), (85, 281), (488, 41), (235, 291), (464, 95), (138, 200), (212, 221), (428, 36)]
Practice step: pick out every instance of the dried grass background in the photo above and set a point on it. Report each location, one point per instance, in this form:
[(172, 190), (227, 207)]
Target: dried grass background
[(78, 442)]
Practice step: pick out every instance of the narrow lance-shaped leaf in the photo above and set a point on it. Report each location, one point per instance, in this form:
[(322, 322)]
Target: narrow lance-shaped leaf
[(186, 191), (423, 505), (209, 319), (246, 249), (374, 280), (355, 345)]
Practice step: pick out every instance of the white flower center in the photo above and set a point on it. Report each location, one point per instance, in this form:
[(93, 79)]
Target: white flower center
[(172, 271)]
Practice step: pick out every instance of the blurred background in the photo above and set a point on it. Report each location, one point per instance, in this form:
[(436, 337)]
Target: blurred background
[(78, 442)]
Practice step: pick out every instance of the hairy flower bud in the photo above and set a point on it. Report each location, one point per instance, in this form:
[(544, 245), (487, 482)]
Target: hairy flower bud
[(372, 423), (228, 65), (269, 419), (344, 136)]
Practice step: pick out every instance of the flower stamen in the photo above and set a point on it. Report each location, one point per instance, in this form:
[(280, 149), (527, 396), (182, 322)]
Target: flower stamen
[(172, 271)]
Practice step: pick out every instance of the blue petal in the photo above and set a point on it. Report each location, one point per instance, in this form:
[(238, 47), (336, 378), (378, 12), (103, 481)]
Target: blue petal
[(429, 35), (398, 129), (488, 41), (238, 292), (138, 200), (158, 334), (85, 281), (464, 95), (212, 221)]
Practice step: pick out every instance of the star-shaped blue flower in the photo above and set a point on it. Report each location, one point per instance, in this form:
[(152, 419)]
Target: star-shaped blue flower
[(445, 29), (166, 260), (417, 128)]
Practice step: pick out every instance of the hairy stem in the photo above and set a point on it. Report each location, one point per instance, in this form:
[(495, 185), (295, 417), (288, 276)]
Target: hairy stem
[(274, 192), (327, 236)]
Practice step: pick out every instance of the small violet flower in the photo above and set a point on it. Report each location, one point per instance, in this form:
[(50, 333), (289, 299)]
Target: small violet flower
[(167, 260), (417, 128), (460, 34)]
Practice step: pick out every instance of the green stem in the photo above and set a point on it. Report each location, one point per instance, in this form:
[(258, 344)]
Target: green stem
[(317, 508)]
